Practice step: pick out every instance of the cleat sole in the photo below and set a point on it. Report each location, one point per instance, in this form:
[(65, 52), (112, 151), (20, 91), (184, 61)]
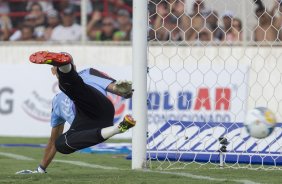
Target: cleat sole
[(55, 59)]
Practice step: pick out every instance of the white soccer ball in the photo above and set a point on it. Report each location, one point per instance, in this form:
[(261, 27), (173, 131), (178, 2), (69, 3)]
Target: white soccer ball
[(260, 122)]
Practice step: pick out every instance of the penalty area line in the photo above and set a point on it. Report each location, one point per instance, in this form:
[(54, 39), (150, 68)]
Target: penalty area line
[(96, 166)]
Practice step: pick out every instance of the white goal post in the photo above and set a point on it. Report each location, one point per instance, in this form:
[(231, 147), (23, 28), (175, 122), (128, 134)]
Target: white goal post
[(139, 103)]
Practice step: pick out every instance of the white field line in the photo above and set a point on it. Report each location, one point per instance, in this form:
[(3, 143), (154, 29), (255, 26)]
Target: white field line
[(95, 166), (15, 156), (84, 164)]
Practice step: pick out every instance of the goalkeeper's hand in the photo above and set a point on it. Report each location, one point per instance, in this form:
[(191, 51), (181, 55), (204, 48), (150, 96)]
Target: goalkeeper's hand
[(123, 88), (38, 170)]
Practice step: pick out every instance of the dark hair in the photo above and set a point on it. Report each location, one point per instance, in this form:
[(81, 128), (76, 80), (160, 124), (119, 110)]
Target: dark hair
[(259, 3), (260, 6)]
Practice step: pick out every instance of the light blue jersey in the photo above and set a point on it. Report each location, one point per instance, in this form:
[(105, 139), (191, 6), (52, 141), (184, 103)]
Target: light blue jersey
[(63, 109)]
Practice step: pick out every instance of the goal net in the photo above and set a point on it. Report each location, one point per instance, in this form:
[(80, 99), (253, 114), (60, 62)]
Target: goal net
[(209, 62)]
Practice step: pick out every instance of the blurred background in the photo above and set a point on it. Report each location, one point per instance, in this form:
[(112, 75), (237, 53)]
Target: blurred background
[(215, 22)]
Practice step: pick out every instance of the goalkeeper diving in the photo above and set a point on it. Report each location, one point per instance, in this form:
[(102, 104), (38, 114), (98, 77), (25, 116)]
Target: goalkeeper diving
[(83, 104)]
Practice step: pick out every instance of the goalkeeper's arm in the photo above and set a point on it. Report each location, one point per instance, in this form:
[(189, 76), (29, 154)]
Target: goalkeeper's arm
[(49, 153), (50, 149)]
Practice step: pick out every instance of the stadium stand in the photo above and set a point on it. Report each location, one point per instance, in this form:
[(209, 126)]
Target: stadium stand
[(111, 20)]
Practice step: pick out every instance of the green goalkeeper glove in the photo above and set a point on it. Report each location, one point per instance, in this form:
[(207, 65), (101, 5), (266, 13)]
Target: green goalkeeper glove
[(123, 88)]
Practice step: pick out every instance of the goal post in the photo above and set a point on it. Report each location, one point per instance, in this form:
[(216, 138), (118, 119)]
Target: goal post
[(139, 102)]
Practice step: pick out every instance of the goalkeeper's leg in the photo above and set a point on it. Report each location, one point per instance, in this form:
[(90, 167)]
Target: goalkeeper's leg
[(73, 140), (88, 100)]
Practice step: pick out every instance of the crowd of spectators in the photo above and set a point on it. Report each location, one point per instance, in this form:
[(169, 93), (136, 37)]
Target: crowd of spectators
[(173, 23), (111, 20), (59, 20)]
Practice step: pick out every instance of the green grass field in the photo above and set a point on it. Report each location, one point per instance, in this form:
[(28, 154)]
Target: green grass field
[(112, 169)]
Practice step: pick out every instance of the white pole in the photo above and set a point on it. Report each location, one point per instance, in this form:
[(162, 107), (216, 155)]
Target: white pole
[(139, 106), (221, 159), (244, 23), (83, 20)]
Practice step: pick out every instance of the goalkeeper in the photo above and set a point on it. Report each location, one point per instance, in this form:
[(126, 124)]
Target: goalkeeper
[(83, 104)]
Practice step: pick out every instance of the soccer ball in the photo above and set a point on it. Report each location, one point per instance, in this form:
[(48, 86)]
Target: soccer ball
[(260, 122)]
